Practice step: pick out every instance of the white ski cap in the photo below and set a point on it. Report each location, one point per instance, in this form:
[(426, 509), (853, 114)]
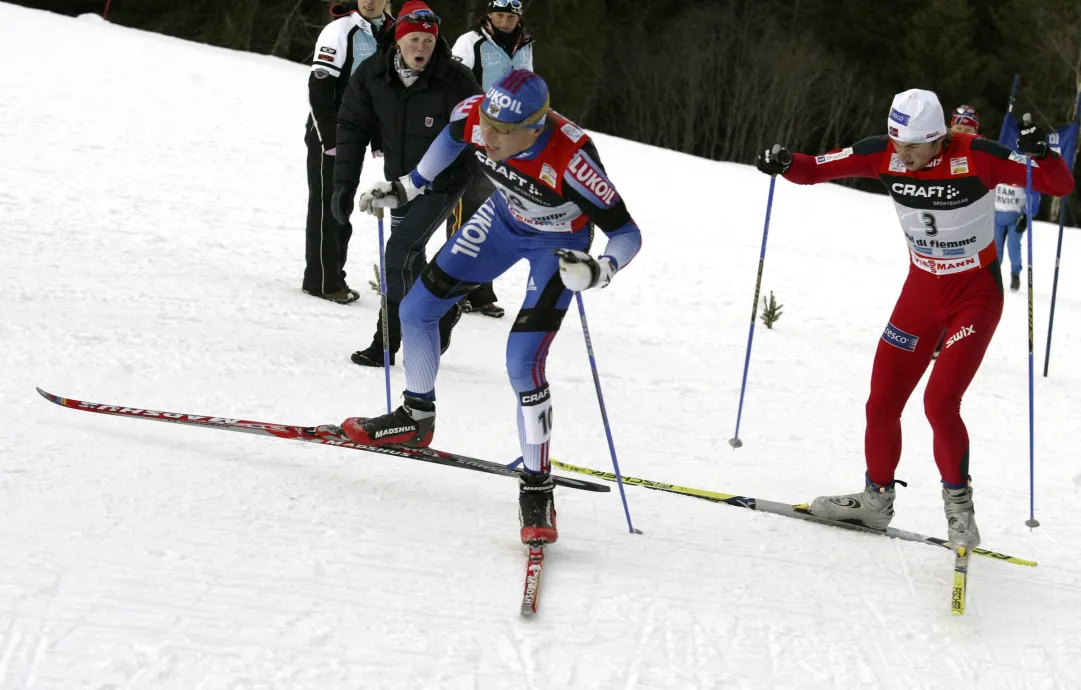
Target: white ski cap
[(916, 117)]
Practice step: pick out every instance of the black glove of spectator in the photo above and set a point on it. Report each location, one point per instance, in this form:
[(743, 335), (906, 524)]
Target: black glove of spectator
[(1033, 139), (775, 161), (341, 203), (1022, 224)]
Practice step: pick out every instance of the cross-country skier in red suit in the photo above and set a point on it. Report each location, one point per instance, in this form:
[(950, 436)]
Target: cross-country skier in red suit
[(943, 188)]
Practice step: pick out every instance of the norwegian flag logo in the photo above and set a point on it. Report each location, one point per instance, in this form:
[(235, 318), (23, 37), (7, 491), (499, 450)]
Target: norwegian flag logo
[(428, 122)]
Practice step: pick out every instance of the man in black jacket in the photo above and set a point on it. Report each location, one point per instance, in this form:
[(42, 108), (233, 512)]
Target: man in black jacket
[(405, 93)]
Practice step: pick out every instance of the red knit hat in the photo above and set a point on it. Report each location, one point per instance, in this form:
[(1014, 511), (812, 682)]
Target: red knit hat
[(427, 21)]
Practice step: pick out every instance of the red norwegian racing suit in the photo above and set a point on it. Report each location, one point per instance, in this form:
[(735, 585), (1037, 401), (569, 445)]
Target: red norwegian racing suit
[(954, 284)]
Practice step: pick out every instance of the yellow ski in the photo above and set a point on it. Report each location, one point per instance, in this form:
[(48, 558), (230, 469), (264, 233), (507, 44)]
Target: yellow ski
[(960, 582), (798, 511)]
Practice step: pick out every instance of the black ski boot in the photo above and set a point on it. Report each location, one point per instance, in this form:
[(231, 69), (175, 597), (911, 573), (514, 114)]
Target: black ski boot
[(537, 508), (412, 424)]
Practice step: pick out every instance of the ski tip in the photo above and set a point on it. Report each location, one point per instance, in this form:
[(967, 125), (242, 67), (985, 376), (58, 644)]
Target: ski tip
[(49, 396)]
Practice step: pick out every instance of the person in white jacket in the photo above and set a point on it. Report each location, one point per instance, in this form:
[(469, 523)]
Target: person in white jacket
[(344, 43), (498, 44)]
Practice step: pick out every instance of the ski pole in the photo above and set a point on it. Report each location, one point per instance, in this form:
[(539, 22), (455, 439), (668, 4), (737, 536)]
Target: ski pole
[(734, 441), (604, 412), (1058, 251), (383, 315), (1054, 286), (1032, 521)]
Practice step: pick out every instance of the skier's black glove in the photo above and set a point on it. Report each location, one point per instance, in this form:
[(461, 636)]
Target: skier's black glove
[(341, 203), (1033, 139), (1022, 224), (774, 161)]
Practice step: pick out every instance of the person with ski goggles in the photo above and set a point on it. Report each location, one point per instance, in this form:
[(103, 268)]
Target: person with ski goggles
[(496, 45)]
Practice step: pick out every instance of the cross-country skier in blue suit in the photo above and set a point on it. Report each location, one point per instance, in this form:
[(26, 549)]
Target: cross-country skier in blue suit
[(551, 189)]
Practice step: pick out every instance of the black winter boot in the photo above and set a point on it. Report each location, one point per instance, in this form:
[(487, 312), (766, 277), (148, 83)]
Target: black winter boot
[(372, 356)]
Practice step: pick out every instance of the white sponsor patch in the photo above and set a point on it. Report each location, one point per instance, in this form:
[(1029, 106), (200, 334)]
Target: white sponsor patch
[(1015, 156), (896, 165), (835, 156), (959, 166), (572, 132), (548, 175), (945, 266)]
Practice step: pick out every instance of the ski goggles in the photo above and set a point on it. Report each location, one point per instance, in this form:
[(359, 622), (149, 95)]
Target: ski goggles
[(966, 115), (514, 6), (420, 16), (534, 121)]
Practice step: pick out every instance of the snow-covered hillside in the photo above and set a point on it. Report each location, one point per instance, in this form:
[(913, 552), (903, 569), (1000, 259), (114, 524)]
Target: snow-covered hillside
[(152, 200)]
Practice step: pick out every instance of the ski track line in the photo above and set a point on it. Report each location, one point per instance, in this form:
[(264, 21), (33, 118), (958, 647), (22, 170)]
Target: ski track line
[(641, 644), (38, 639), (904, 569), (518, 634), (13, 636)]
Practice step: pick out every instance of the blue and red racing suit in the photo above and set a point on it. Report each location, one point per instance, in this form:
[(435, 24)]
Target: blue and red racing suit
[(547, 197)]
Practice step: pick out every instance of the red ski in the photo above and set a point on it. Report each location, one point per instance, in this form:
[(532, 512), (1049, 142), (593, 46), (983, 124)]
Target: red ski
[(533, 569), (328, 434)]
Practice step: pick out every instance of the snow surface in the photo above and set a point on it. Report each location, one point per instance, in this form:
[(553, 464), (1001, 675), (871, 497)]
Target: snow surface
[(152, 200)]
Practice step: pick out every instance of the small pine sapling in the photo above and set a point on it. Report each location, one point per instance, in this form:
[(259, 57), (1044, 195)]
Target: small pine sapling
[(771, 311)]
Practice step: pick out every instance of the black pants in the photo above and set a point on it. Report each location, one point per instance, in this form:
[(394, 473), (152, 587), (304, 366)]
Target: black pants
[(476, 194), (326, 242), (411, 227)]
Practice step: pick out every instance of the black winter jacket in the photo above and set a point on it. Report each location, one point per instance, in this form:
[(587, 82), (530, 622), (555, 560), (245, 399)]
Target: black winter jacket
[(377, 103)]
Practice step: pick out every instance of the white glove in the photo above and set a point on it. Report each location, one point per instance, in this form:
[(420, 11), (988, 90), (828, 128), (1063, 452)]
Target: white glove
[(389, 195), (580, 271)]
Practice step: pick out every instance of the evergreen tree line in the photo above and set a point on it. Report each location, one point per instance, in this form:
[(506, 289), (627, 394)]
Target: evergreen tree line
[(721, 78)]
